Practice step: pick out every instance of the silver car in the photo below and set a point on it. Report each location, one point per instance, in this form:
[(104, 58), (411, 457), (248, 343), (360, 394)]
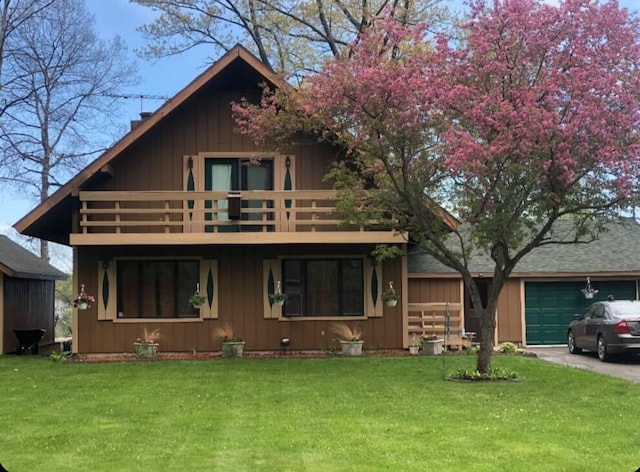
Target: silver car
[(609, 328)]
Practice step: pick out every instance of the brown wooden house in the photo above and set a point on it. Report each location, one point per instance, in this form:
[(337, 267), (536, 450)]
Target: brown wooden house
[(183, 203), (27, 294)]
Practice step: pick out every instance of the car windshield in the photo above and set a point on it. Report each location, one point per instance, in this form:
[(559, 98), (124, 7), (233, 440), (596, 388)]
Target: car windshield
[(626, 310)]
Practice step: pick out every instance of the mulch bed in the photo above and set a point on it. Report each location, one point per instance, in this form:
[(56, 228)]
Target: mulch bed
[(123, 357)]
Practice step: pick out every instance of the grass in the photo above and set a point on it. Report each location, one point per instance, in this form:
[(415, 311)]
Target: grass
[(329, 414)]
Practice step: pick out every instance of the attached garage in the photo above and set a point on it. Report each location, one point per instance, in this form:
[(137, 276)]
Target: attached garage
[(550, 306)]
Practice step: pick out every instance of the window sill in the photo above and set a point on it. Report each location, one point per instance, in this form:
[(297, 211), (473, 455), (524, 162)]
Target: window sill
[(157, 320), (322, 318)]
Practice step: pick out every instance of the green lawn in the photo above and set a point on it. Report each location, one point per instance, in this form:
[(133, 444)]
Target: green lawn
[(329, 414)]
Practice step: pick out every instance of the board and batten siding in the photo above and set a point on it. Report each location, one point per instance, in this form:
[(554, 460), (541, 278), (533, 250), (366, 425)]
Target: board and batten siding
[(426, 290), (510, 314), (509, 311), (240, 303), (203, 125), (27, 304)]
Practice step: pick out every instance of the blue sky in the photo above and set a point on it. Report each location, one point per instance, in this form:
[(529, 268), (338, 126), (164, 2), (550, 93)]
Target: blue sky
[(161, 77)]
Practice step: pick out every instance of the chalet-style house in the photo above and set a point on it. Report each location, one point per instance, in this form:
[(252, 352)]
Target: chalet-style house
[(183, 204), (27, 295)]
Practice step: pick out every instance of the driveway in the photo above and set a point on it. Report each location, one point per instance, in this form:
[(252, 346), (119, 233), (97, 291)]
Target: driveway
[(626, 367)]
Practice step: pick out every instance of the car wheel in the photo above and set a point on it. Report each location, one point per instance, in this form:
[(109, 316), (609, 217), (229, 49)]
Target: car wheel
[(571, 342), (603, 354)]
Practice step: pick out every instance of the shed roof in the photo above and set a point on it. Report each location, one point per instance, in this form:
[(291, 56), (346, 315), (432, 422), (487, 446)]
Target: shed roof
[(615, 252), (16, 261)]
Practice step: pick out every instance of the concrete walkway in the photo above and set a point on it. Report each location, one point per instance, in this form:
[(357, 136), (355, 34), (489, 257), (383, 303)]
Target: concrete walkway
[(625, 367)]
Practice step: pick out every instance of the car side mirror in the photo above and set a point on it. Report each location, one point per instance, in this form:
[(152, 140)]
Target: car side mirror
[(577, 316)]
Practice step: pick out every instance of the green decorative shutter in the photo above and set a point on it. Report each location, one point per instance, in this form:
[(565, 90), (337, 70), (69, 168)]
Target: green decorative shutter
[(271, 275)]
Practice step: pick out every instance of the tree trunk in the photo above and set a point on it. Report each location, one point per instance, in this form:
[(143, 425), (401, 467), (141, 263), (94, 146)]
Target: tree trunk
[(487, 316), (488, 325), (44, 251)]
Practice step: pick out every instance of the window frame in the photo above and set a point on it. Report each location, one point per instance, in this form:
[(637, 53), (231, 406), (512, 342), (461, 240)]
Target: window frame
[(373, 308), (107, 307), (339, 280)]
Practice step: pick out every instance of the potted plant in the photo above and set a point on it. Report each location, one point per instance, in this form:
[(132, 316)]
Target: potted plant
[(432, 345), (232, 346), (84, 300), (196, 300), (147, 347), (277, 298), (389, 296), (414, 347), (349, 338)]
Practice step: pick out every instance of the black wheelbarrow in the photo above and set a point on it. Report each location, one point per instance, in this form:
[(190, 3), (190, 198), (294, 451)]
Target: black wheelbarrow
[(28, 339)]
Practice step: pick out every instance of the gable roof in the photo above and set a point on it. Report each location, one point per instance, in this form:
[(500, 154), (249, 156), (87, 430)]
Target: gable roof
[(16, 261), (35, 222), (613, 253)]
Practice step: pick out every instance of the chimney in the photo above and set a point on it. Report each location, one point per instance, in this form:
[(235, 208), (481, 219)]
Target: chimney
[(144, 115)]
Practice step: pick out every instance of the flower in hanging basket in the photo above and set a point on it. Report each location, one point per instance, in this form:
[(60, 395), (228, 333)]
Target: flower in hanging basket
[(277, 298), (389, 296), (84, 300), (589, 291), (196, 300)]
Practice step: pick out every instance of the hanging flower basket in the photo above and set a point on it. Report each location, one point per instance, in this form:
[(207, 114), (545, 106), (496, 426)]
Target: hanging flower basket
[(278, 298), (390, 297), (589, 292), (196, 300), (84, 300)]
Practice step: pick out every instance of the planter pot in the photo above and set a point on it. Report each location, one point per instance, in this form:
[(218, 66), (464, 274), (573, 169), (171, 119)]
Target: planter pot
[(433, 347), (197, 306), (279, 303), (83, 305), (232, 349), (351, 348), (391, 302), (146, 350), (414, 350), (589, 295)]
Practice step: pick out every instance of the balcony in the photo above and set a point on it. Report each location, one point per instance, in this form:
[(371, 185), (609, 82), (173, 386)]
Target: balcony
[(249, 217)]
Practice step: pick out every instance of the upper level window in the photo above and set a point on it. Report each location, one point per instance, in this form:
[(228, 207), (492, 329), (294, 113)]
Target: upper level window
[(323, 287), (238, 174), (156, 288)]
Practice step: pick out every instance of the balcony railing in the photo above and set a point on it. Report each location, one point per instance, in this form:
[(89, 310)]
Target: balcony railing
[(212, 213)]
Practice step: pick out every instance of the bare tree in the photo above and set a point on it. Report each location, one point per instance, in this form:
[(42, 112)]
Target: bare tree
[(290, 36), (70, 76), (13, 14)]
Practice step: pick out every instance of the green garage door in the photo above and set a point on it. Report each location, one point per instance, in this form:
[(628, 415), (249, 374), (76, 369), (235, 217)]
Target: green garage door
[(550, 306)]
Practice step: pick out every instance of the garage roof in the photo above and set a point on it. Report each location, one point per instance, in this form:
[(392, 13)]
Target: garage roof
[(612, 253)]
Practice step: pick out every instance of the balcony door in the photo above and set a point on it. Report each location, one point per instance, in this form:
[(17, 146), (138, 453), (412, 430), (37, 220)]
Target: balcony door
[(223, 175)]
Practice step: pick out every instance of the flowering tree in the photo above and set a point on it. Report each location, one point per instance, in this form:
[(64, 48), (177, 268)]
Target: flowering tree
[(531, 119)]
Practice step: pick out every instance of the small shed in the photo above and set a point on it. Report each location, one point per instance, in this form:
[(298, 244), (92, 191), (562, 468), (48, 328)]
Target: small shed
[(27, 294)]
